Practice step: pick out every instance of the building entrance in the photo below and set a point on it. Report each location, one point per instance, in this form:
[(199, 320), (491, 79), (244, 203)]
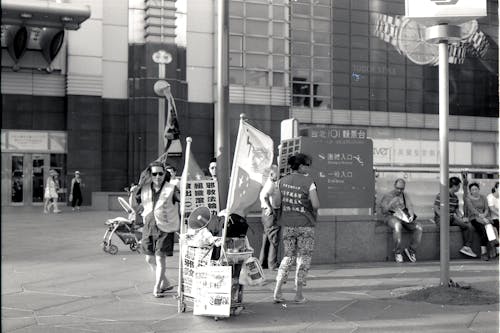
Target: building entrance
[(24, 176)]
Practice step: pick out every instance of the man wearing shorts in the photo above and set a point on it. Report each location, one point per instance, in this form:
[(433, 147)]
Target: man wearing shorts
[(159, 200)]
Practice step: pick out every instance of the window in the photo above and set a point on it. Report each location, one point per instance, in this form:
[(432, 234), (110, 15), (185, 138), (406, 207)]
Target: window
[(258, 43)]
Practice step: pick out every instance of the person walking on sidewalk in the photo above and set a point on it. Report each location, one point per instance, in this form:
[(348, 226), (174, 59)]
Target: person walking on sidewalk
[(299, 207), (269, 202), (456, 216), (50, 195), (159, 200), (75, 195), (478, 213), (397, 209)]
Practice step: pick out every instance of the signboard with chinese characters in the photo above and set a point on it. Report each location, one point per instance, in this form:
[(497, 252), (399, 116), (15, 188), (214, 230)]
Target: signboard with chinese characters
[(432, 12), (212, 291), (418, 152), (28, 141), (34, 141), (342, 165), (194, 257), (201, 193)]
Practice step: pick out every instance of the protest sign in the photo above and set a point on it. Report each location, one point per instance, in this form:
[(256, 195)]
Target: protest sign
[(212, 291)]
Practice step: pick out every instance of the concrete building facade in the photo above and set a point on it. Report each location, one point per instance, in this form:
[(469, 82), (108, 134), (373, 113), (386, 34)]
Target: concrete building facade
[(326, 62)]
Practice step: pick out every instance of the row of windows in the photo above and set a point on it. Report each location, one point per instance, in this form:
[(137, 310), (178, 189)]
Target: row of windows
[(258, 43), (325, 50)]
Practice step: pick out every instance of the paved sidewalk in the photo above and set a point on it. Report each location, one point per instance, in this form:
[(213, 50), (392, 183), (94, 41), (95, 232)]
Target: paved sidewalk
[(56, 278)]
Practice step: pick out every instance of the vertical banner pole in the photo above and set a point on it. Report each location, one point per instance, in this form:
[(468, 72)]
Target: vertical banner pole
[(180, 289), (232, 185)]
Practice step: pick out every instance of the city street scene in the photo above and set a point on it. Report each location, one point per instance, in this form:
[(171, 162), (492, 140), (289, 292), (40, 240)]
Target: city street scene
[(250, 166)]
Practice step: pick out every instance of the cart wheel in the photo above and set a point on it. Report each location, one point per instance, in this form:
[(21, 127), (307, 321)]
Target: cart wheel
[(113, 249)]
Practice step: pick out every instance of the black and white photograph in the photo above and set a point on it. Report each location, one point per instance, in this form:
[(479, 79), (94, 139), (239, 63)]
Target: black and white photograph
[(250, 166)]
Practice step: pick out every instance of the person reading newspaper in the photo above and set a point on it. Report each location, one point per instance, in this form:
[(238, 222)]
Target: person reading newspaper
[(398, 213)]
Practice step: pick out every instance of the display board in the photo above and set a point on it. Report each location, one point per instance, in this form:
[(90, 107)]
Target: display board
[(212, 291), (342, 165), (194, 258), (201, 193)]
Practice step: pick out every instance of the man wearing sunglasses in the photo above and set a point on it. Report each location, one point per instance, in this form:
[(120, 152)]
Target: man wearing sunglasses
[(159, 200), (397, 209)]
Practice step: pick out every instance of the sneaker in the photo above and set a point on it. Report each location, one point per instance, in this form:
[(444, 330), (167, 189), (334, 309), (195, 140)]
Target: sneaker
[(468, 251), (411, 255), (398, 257)]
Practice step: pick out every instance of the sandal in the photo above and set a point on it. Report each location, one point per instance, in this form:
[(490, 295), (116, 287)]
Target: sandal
[(277, 300), (300, 301), (164, 290), (158, 294)]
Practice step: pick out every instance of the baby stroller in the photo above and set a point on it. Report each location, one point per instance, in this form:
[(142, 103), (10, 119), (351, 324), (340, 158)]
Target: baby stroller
[(126, 229)]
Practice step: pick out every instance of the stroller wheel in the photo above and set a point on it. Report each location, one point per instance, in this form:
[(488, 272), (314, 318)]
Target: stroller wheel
[(113, 249), (134, 246), (105, 246)]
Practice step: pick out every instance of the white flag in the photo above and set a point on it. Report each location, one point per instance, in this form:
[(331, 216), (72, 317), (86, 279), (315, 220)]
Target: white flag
[(252, 158)]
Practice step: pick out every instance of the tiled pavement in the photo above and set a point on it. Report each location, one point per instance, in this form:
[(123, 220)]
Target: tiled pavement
[(56, 278)]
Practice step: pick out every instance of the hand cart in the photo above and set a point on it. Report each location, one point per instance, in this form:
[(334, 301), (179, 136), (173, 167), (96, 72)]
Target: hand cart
[(237, 251)]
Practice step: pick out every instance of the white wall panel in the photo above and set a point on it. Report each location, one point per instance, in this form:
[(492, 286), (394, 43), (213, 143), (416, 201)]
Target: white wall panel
[(115, 12), (200, 50), (87, 40), (200, 56), (136, 26), (96, 7), (115, 43), (115, 76), (85, 65), (201, 15), (200, 84)]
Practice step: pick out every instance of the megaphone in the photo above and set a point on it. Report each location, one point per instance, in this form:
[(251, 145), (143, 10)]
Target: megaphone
[(199, 218)]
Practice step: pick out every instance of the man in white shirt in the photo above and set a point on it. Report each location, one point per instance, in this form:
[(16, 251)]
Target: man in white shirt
[(270, 204)]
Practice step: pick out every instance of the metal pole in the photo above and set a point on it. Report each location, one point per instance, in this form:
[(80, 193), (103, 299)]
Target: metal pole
[(161, 112), (444, 163), (221, 116)]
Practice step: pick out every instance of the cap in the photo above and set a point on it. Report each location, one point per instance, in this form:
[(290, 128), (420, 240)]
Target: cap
[(77, 172)]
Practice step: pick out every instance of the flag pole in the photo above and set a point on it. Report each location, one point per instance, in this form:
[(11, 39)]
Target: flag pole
[(180, 289), (232, 182)]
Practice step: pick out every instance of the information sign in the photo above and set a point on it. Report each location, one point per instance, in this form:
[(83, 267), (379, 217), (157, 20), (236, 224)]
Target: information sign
[(212, 291), (342, 165)]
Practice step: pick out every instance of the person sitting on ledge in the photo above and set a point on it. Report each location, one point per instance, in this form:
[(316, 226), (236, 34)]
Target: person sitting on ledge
[(456, 216), (398, 213)]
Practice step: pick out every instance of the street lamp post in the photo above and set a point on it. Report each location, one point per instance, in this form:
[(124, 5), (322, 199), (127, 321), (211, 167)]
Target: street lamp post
[(221, 115), (162, 58), (443, 34)]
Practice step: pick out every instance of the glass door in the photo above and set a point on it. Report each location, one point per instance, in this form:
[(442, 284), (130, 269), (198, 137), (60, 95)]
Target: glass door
[(39, 172), (17, 180)]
